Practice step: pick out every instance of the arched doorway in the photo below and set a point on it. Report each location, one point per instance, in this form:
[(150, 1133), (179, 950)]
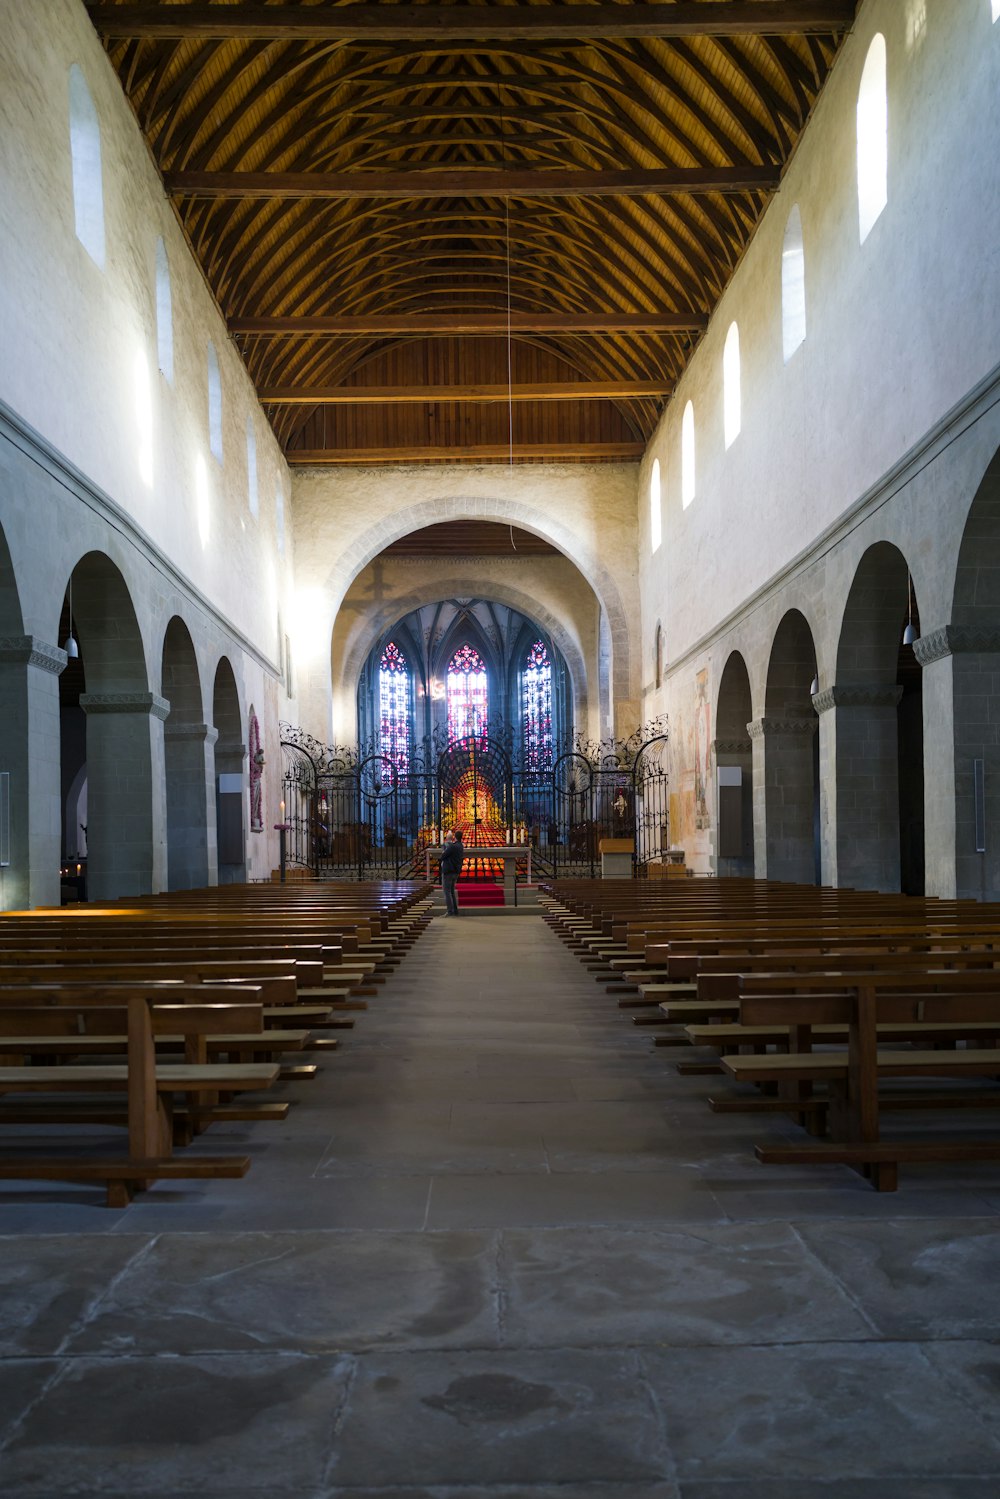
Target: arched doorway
[(186, 742), (786, 747), (230, 785)]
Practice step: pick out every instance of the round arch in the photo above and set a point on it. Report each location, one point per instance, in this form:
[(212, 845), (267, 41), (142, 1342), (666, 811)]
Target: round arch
[(733, 770), (786, 765), (188, 777), (230, 756)]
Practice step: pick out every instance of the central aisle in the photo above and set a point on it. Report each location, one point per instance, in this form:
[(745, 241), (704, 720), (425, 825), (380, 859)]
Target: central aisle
[(500, 1250)]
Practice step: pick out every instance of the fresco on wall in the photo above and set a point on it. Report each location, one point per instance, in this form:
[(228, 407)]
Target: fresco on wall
[(702, 749)]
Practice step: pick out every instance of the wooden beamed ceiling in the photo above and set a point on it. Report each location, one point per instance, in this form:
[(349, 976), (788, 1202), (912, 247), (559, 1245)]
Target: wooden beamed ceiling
[(470, 232)]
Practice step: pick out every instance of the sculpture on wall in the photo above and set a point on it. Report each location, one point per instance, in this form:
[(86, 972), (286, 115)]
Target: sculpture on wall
[(256, 776)]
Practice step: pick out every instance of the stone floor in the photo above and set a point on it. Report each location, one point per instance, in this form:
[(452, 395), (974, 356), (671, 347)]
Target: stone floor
[(500, 1249)]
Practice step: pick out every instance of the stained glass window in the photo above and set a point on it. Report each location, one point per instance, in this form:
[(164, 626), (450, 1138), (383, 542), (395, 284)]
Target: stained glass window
[(394, 707), (536, 708), (468, 701)]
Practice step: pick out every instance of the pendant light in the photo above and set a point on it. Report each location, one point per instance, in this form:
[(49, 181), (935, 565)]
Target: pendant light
[(69, 645)]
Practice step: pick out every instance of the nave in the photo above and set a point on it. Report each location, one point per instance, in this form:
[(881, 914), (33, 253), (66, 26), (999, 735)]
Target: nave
[(499, 1248)]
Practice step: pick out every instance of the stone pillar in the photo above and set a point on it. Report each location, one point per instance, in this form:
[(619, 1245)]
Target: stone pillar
[(859, 790), (192, 853), (29, 712), (961, 682), (126, 821), (783, 780)]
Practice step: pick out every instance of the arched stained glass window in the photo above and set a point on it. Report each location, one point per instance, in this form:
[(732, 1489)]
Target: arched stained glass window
[(468, 696), (536, 708), (394, 707)]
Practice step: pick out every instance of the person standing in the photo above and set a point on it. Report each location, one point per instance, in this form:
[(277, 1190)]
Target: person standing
[(451, 868)]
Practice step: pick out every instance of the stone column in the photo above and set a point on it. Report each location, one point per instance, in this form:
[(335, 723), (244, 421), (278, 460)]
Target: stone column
[(231, 816), (192, 852), (784, 839), (859, 785), (126, 802), (29, 712), (961, 682)]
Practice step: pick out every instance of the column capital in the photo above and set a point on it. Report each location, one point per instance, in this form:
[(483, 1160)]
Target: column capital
[(956, 640), (125, 702), (206, 732), (28, 650), (767, 728), (731, 747), (877, 695), (231, 747)]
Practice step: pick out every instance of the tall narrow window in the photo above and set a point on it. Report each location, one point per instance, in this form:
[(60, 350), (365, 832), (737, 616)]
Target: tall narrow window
[(732, 404), (468, 695), (793, 286), (996, 9), (395, 691), (279, 517), (164, 314), (536, 708), (687, 455), (655, 512), (253, 496), (873, 138), (85, 155), (214, 403)]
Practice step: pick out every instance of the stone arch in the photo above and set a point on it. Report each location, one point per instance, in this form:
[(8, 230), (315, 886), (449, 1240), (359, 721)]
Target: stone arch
[(352, 641), (187, 740), (733, 770), (230, 779), (860, 738), (507, 511), (20, 687), (961, 664), (123, 741), (786, 767)]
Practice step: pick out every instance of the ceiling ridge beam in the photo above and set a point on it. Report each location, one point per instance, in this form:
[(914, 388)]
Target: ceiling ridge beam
[(369, 22), (472, 182), (500, 452), (448, 323), (395, 395)]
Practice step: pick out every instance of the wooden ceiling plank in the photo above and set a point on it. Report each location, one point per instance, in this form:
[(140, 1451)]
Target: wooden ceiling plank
[(584, 452), (387, 325), (474, 183), (368, 22), (394, 395)]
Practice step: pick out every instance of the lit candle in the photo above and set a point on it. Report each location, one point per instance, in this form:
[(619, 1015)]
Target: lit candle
[(281, 808)]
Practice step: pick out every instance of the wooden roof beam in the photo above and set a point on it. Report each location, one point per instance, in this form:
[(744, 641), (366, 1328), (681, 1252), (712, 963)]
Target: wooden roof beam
[(472, 182), (446, 324), (396, 395), (499, 452), (369, 22)]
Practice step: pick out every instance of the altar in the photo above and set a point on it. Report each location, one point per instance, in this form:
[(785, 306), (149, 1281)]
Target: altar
[(510, 853)]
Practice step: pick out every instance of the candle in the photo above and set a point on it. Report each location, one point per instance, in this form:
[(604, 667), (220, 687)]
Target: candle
[(281, 807)]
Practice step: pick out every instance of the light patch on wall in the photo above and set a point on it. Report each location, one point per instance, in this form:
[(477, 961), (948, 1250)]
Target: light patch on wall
[(687, 456), (732, 400), (873, 138), (310, 626), (164, 314), (916, 24), (85, 157), (996, 10), (655, 522), (143, 416), (793, 286), (202, 500)]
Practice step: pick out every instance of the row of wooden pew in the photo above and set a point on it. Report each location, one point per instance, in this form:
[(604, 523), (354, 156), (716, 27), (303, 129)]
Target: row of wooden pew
[(836, 1008), (168, 1013)]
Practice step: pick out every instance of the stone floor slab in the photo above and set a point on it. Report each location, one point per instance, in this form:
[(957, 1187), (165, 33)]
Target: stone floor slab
[(298, 1292), (815, 1412), (488, 1419), (710, 1286)]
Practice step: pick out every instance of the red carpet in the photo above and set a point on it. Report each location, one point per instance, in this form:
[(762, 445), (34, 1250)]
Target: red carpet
[(479, 893)]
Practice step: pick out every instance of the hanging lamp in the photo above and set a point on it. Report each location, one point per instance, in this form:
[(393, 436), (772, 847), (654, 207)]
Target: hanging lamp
[(69, 645), (910, 633)]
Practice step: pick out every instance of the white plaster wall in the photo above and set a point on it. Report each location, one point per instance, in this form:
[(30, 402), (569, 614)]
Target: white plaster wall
[(71, 332), (898, 329), (344, 518)]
